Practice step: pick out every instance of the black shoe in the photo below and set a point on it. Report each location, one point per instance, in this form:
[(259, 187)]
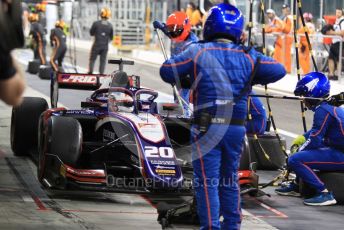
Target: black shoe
[(334, 78)]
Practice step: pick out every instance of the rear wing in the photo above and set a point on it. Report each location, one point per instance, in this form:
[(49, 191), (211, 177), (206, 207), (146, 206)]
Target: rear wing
[(80, 81), (87, 81)]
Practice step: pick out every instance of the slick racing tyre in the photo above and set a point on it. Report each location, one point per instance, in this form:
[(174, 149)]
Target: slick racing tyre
[(45, 72), (64, 139), (24, 125), (270, 144), (33, 66)]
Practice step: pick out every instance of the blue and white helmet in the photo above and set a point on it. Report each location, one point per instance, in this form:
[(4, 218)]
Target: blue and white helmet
[(313, 84), (224, 21)]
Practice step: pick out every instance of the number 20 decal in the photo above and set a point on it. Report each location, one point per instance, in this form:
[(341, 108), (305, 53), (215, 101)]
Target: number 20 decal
[(155, 152)]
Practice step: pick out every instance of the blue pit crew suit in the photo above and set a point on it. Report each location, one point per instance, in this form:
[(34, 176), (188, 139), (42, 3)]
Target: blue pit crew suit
[(324, 148), (257, 110), (219, 71), (176, 48)]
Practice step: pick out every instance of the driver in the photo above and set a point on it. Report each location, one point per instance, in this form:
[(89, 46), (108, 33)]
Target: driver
[(323, 146), (120, 101)]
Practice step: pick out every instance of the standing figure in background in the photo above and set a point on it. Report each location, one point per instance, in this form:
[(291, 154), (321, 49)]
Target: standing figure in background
[(288, 36), (338, 30), (103, 33), (58, 41), (38, 36), (190, 8), (304, 52), (40, 8), (178, 29), (276, 25)]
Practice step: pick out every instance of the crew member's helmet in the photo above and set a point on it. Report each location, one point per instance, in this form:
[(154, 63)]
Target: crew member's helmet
[(313, 84), (105, 13), (33, 17), (60, 24), (40, 7), (178, 26), (224, 21)]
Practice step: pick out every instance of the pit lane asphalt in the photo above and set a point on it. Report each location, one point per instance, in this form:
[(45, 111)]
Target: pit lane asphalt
[(103, 211)]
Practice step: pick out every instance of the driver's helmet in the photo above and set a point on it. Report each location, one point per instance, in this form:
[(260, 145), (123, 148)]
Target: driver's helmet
[(120, 102)]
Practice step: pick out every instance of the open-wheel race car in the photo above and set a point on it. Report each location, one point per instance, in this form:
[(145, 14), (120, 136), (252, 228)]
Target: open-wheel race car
[(116, 142), (122, 139)]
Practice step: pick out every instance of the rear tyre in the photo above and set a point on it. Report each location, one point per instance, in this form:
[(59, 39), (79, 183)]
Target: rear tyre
[(24, 125)]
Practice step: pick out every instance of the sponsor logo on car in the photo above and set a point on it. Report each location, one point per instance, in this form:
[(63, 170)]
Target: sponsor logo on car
[(161, 162), (79, 79), (165, 172), (108, 134)]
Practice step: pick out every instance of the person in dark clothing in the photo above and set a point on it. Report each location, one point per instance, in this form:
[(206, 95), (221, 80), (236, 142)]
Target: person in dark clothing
[(58, 41), (38, 35), (40, 8), (103, 32)]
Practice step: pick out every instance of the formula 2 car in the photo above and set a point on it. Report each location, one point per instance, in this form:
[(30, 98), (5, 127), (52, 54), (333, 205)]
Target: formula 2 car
[(115, 142), (120, 140)]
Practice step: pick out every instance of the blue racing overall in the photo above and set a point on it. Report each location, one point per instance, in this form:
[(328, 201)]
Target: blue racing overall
[(219, 71), (324, 146), (257, 125)]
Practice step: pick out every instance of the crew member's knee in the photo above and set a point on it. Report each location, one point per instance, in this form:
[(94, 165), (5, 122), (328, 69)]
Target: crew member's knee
[(294, 161)]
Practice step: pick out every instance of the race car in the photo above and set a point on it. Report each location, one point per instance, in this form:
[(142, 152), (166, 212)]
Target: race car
[(121, 139)]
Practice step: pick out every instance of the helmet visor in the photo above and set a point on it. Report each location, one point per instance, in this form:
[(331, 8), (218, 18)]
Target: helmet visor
[(175, 30)]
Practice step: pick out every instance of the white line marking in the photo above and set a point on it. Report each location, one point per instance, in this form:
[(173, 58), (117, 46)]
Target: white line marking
[(27, 198)]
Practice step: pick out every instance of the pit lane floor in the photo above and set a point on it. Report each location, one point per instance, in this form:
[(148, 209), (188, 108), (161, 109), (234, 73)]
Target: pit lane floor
[(132, 210)]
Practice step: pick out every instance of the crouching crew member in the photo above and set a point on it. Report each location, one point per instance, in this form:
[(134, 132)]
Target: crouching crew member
[(38, 35), (178, 29), (220, 70), (103, 33), (323, 145), (58, 41)]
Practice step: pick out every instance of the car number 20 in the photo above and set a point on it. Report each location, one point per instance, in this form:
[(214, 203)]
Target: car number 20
[(155, 152)]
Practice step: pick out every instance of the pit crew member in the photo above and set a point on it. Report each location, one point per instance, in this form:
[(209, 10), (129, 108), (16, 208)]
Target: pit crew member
[(38, 36), (178, 29), (323, 146), (58, 41), (221, 71), (103, 33)]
